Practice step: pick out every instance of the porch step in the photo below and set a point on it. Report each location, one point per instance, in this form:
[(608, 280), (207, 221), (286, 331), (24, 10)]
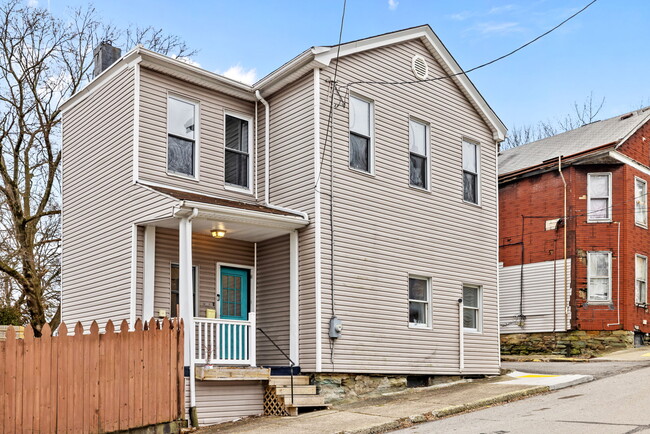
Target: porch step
[(304, 401), (229, 373), (297, 390), (285, 380)]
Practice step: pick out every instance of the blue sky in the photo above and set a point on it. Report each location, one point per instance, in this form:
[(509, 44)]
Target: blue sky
[(603, 50)]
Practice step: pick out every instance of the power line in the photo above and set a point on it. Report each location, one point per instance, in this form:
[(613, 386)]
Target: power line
[(483, 65)]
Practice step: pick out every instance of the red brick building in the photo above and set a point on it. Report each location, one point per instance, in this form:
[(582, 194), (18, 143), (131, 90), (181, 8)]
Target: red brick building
[(602, 170)]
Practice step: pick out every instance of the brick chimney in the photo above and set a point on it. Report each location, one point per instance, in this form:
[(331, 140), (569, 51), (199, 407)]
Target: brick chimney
[(104, 56)]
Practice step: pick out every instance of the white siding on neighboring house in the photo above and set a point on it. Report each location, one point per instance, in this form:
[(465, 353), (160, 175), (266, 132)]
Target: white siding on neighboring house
[(385, 230), (543, 305)]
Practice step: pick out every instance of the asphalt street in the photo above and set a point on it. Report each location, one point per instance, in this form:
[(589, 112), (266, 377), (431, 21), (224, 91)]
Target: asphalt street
[(616, 403)]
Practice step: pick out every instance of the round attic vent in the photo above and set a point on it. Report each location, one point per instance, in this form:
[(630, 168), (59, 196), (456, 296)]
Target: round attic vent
[(420, 67)]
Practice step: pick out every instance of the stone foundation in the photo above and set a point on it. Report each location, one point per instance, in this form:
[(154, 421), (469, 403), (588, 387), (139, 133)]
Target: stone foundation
[(574, 343), (349, 387)]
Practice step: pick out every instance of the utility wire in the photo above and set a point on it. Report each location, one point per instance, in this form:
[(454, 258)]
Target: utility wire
[(483, 65)]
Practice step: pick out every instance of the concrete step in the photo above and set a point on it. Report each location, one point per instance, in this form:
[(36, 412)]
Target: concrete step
[(297, 390), (282, 380), (304, 401)]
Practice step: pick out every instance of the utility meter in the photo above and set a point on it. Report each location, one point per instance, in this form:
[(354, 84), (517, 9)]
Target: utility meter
[(336, 327)]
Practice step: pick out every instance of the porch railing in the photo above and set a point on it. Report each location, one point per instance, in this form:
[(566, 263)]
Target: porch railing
[(225, 341)]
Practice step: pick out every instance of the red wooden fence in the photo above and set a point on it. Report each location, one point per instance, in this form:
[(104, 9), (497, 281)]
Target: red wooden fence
[(92, 382)]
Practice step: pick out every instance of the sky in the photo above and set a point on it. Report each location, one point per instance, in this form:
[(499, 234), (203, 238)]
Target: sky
[(603, 51)]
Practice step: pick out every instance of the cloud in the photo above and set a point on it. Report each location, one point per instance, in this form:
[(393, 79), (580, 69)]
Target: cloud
[(187, 60), (487, 28), (501, 9), (392, 4), (461, 16), (238, 73)]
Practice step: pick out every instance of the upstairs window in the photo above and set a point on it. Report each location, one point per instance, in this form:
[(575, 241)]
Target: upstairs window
[(599, 197), (599, 276), (238, 146), (361, 134), (419, 301), (640, 202), (641, 280), (181, 137), (419, 154), (470, 172)]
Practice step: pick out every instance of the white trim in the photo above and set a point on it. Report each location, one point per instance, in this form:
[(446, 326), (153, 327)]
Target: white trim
[(627, 160), (498, 264), (371, 145), (136, 123), (134, 274), (317, 221), (479, 309), (252, 290), (478, 169), (428, 325), (149, 273), (609, 259), (294, 307), (461, 335), (427, 134), (249, 119), (227, 213), (197, 136), (645, 184), (591, 219), (636, 277)]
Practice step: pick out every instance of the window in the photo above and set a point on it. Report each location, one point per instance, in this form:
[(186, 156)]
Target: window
[(238, 145), (419, 301), (175, 298), (419, 154), (360, 134), (471, 308), (181, 137), (599, 197), (599, 276), (640, 202), (470, 172), (641, 280)]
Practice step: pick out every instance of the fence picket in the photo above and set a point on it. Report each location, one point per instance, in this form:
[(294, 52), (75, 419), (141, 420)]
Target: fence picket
[(3, 375), (45, 380), (93, 368), (140, 369), (10, 381), (62, 410), (75, 412), (123, 375), (110, 404)]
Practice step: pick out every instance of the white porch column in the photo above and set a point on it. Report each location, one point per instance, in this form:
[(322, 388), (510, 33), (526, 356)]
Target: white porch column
[(294, 335), (149, 272), (185, 299)]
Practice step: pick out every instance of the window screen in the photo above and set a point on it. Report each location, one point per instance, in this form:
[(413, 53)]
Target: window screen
[(470, 172), (418, 139), (181, 140), (237, 152), (360, 135)]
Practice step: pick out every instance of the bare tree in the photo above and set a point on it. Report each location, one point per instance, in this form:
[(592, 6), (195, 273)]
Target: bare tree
[(583, 114), (43, 61)]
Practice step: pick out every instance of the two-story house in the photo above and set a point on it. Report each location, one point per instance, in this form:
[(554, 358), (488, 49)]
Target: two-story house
[(574, 239), (347, 219)]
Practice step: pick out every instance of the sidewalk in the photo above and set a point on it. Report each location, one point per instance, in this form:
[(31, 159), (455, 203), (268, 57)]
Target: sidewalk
[(628, 355), (403, 409)]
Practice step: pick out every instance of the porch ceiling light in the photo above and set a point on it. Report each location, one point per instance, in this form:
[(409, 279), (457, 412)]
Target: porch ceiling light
[(218, 233)]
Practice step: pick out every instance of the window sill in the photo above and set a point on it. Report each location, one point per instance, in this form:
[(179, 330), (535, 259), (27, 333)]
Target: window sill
[(640, 225), (420, 189), (183, 176), (599, 221), (599, 302), (419, 326), (238, 189), (472, 331), (476, 205), (362, 172)]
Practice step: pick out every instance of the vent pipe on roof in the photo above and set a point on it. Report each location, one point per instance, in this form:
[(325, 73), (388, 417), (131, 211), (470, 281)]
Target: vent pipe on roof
[(104, 55)]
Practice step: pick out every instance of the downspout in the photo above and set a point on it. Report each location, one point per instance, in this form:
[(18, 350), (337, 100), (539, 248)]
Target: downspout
[(267, 111), (255, 160), (566, 281), (618, 278)]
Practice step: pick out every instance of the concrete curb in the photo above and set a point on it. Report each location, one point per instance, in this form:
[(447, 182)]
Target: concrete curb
[(406, 422), (581, 380), (545, 359)]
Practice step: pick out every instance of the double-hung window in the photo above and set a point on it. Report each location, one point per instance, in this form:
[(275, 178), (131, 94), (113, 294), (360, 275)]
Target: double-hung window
[(599, 193), (181, 137), (641, 202), (419, 154), (641, 279), (175, 285), (470, 172), (419, 301), (361, 134), (471, 308), (238, 147), (599, 276)]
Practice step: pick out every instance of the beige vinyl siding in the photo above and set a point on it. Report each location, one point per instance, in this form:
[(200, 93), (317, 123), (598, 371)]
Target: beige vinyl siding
[(292, 185), (385, 230), (154, 88), (224, 401), (273, 300), (100, 203), (206, 252)]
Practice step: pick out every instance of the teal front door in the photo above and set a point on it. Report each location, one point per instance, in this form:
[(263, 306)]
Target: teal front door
[(234, 293)]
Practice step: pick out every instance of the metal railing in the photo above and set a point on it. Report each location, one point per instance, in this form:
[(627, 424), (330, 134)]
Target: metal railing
[(291, 364)]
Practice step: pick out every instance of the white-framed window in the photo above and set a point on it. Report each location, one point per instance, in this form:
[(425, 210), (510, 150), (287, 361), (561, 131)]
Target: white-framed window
[(471, 172), (599, 197), (419, 301), (238, 146), (419, 154), (641, 279), (182, 135), (641, 202), (599, 276), (472, 308), (361, 134), (174, 285)]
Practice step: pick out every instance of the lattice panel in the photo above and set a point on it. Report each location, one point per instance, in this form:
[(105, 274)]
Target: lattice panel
[(273, 404)]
